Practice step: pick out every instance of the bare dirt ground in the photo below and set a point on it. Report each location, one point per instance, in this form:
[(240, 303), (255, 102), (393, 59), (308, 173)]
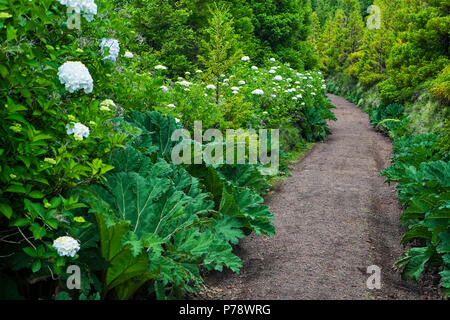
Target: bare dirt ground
[(334, 217)]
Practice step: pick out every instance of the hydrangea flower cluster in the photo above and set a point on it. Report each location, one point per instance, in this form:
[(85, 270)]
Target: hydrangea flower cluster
[(114, 49), (87, 7), (75, 76), (79, 130), (66, 246)]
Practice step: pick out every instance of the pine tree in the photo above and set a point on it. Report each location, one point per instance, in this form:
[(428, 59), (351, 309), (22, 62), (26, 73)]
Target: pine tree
[(220, 48)]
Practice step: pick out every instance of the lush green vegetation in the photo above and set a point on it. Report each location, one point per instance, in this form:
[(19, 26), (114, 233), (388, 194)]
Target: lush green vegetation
[(89, 105), (87, 117), (399, 75)]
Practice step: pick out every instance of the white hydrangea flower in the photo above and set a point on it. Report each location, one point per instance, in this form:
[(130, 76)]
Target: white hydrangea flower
[(160, 67), (211, 86), (278, 78), (66, 246), (241, 82), (114, 49), (75, 76), (245, 58), (87, 7), (258, 92), (185, 83), (79, 130), (164, 88), (128, 55)]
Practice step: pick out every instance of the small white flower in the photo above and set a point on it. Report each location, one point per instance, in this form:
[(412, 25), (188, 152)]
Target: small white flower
[(87, 7), (211, 86), (257, 92), (171, 105), (128, 55), (78, 130), (185, 83), (177, 120), (66, 246), (313, 93), (114, 49), (254, 67), (272, 71), (160, 67), (278, 78), (187, 73), (245, 58), (241, 82), (164, 88), (272, 59), (235, 88), (198, 71), (294, 98), (235, 92), (108, 103), (75, 76)]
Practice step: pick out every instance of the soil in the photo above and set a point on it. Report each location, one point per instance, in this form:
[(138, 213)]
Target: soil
[(335, 216)]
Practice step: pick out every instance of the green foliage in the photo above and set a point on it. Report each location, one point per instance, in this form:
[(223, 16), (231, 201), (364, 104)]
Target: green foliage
[(386, 116), (171, 32), (408, 52), (221, 51), (424, 186), (141, 221)]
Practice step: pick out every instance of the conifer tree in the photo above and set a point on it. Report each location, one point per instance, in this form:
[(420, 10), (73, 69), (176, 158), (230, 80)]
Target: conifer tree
[(220, 50)]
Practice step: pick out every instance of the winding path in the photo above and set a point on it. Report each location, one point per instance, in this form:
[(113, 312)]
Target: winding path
[(334, 217)]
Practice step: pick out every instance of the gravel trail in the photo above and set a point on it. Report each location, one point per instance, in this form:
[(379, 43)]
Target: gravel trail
[(334, 217)]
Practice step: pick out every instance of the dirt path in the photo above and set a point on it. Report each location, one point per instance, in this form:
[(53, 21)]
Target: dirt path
[(334, 217)]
